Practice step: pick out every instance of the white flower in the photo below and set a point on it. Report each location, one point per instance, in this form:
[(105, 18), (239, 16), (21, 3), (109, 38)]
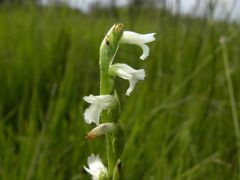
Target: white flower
[(126, 72), (96, 167), (98, 103), (138, 39), (101, 129)]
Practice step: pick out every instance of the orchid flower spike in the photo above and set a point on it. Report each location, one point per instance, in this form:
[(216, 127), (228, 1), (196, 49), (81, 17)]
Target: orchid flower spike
[(98, 103), (96, 167), (138, 39), (101, 129), (126, 72)]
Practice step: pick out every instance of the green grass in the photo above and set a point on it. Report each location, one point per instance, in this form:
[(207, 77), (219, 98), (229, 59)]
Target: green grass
[(180, 122)]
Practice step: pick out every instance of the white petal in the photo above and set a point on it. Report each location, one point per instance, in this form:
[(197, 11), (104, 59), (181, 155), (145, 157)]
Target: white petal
[(132, 84), (90, 98), (120, 70), (148, 37), (123, 74), (89, 171), (95, 167), (145, 53), (138, 39), (101, 99), (128, 70), (139, 74), (106, 101), (92, 114), (94, 162), (104, 98), (135, 38)]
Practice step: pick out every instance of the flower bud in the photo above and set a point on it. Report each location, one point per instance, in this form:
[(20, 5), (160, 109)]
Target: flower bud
[(101, 129)]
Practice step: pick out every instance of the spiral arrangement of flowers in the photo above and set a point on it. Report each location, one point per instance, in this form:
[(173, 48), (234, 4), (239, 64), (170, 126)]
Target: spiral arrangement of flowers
[(104, 109)]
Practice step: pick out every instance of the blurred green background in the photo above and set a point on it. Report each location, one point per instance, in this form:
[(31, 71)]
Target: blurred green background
[(180, 122)]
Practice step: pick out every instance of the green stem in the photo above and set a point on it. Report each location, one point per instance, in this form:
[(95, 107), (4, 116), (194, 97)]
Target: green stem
[(108, 50)]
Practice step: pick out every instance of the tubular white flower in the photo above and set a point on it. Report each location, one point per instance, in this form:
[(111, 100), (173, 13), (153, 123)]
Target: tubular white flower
[(101, 129), (98, 103), (126, 72), (96, 167), (138, 39)]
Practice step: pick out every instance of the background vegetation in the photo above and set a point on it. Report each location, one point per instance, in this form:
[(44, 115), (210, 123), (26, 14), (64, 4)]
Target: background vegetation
[(179, 121)]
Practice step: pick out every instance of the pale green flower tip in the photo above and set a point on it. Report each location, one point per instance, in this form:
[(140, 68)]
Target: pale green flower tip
[(114, 33), (118, 27), (96, 167)]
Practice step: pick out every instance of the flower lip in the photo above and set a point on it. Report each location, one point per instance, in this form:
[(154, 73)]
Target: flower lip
[(126, 72), (138, 39)]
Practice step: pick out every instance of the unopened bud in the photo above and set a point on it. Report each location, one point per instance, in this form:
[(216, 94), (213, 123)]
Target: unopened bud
[(101, 129)]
